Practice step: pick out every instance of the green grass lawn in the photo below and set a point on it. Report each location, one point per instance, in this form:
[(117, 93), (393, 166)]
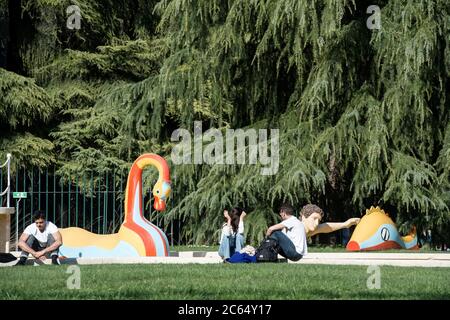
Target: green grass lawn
[(253, 281)]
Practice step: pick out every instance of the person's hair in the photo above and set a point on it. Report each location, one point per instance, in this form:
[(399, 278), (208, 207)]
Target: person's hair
[(38, 214), (287, 208), (235, 216), (309, 209)]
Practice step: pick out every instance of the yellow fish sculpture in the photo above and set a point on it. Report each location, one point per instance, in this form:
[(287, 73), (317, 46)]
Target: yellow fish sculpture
[(377, 231)]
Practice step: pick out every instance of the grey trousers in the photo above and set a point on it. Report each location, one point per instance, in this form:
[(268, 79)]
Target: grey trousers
[(36, 246)]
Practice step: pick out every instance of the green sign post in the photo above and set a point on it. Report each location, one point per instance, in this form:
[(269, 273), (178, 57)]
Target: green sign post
[(19, 195)]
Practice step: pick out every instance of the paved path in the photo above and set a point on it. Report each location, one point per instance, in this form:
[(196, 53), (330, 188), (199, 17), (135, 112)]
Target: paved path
[(388, 259), (353, 258)]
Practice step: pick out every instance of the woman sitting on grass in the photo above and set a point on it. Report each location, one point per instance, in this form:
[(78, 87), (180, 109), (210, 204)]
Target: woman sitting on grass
[(232, 237)]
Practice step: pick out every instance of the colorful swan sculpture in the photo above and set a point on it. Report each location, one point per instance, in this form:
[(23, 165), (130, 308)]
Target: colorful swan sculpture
[(136, 236), (377, 231)]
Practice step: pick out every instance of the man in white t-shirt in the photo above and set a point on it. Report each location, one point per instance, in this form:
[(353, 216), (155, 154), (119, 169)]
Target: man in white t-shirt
[(40, 239), (291, 234)]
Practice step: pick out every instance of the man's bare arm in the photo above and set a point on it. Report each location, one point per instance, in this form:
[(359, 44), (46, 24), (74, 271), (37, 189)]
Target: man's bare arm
[(23, 244), (328, 227), (55, 245), (275, 228)]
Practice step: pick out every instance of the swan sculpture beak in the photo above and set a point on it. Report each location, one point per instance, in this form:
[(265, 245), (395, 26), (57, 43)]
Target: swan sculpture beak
[(159, 204)]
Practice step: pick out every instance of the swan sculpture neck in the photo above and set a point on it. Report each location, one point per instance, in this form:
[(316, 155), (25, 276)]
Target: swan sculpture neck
[(133, 193)]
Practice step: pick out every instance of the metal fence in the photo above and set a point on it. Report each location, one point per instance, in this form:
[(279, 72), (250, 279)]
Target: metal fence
[(94, 203)]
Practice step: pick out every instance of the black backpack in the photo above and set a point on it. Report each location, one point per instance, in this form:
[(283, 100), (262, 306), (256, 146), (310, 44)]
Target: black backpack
[(6, 257), (267, 251)]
